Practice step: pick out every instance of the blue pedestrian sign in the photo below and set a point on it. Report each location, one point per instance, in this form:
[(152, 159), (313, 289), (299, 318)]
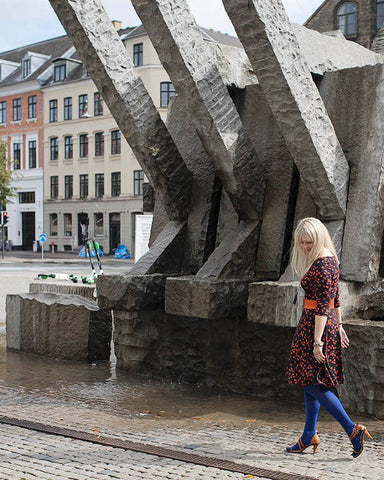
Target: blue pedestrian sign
[(43, 237)]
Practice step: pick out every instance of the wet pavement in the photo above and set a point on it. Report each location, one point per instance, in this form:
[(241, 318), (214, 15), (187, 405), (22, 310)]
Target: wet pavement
[(97, 398)]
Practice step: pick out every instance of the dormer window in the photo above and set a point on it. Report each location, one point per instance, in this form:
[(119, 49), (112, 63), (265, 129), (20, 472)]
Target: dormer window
[(26, 67), (60, 73), (6, 68)]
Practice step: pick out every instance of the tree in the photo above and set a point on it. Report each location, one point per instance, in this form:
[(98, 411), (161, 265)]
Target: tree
[(6, 191)]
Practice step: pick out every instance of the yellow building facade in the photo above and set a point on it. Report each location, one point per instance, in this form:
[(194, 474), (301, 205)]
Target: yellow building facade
[(92, 180)]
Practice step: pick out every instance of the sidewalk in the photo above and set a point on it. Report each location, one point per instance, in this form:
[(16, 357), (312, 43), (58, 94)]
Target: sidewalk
[(21, 256), (26, 454)]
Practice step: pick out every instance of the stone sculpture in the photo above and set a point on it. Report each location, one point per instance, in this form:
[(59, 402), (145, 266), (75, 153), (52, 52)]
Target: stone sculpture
[(232, 172)]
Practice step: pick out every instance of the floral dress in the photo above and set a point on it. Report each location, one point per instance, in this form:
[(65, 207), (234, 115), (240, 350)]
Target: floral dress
[(320, 283)]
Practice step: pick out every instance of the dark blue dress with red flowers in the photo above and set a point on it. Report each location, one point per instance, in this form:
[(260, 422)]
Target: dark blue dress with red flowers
[(320, 283)]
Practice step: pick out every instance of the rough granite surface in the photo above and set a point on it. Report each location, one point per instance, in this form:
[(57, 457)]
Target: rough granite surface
[(67, 327), (123, 90), (265, 32), (195, 75)]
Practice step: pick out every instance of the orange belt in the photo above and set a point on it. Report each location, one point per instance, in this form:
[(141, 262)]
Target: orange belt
[(312, 304)]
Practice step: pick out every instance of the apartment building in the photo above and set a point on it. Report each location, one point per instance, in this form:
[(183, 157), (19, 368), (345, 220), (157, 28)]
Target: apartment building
[(92, 181), (76, 175), (21, 124)]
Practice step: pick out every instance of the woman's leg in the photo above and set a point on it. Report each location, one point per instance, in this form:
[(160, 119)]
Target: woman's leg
[(312, 407), (332, 404)]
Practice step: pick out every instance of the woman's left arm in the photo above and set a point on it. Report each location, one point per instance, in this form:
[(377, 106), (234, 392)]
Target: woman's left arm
[(343, 336), (320, 321)]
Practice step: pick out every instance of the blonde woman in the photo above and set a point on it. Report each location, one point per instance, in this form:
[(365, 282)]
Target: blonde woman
[(315, 360)]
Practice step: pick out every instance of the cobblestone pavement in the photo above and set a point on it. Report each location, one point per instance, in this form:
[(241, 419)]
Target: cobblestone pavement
[(27, 454)]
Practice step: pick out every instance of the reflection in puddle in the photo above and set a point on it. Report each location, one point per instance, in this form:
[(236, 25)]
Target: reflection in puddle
[(27, 378)]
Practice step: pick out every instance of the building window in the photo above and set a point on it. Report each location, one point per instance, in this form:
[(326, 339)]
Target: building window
[(54, 148), (99, 185), (99, 144), (83, 149), (59, 73), (99, 224), (53, 110), (68, 186), (167, 90), (83, 105), (67, 224), (83, 186), (379, 14), (16, 156), (115, 184), (138, 180), (347, 19), (68, 147), (26, 67), (115, 142), (68, 108), (98, 104), (3, 112), (54, 187), (32, 154), (32, 106), (27, 197), (53, 224), (138, 54), (16, 103)]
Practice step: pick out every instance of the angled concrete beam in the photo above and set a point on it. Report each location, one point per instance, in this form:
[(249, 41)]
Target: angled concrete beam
[(194, 73), (114, 74), (266, 34)]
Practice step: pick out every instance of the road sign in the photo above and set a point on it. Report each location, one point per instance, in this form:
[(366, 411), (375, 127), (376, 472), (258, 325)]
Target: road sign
[(43, 237)]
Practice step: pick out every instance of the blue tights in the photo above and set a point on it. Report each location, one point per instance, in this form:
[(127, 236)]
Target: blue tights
[(319, 395)]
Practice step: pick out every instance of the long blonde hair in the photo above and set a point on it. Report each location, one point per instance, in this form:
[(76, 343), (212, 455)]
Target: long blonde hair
[(312, 230)]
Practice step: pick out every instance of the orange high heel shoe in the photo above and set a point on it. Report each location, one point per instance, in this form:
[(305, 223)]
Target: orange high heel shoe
[(315, 441), (359, 429)]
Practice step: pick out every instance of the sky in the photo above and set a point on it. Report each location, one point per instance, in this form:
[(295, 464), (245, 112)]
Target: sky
[(23, 22)]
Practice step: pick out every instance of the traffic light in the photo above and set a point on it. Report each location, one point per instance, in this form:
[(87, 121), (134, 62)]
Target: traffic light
[(5, 217)]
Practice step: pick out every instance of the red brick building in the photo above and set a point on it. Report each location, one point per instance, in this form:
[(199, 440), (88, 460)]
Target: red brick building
[(22, 72), (359, 20), (30, 106)]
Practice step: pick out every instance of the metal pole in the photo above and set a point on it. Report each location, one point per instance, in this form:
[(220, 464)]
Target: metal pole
[(42, 251), (2, 238)]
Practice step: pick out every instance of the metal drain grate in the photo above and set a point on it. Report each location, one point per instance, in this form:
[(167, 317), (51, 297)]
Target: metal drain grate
[(154, 450)]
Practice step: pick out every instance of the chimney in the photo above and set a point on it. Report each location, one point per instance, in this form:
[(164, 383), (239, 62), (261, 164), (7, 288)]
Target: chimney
[(116, 24)]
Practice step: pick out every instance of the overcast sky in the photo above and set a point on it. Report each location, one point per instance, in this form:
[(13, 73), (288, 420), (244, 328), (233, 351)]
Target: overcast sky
[(23, 22)]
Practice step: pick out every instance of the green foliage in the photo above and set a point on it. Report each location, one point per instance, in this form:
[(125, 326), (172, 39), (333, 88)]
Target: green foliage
[(6, 191)]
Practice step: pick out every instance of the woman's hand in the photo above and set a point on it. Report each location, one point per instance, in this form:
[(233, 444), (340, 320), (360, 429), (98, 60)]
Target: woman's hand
[(344, 338), (318, 353)]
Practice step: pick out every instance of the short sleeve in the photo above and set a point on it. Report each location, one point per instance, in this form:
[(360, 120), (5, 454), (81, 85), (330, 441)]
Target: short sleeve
[(337, 297), (323, 290)]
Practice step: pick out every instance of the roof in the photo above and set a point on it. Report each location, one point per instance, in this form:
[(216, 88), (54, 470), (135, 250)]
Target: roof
[(316, 12), (208, 34), (56, 48), (52, 48), (224, 38)]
